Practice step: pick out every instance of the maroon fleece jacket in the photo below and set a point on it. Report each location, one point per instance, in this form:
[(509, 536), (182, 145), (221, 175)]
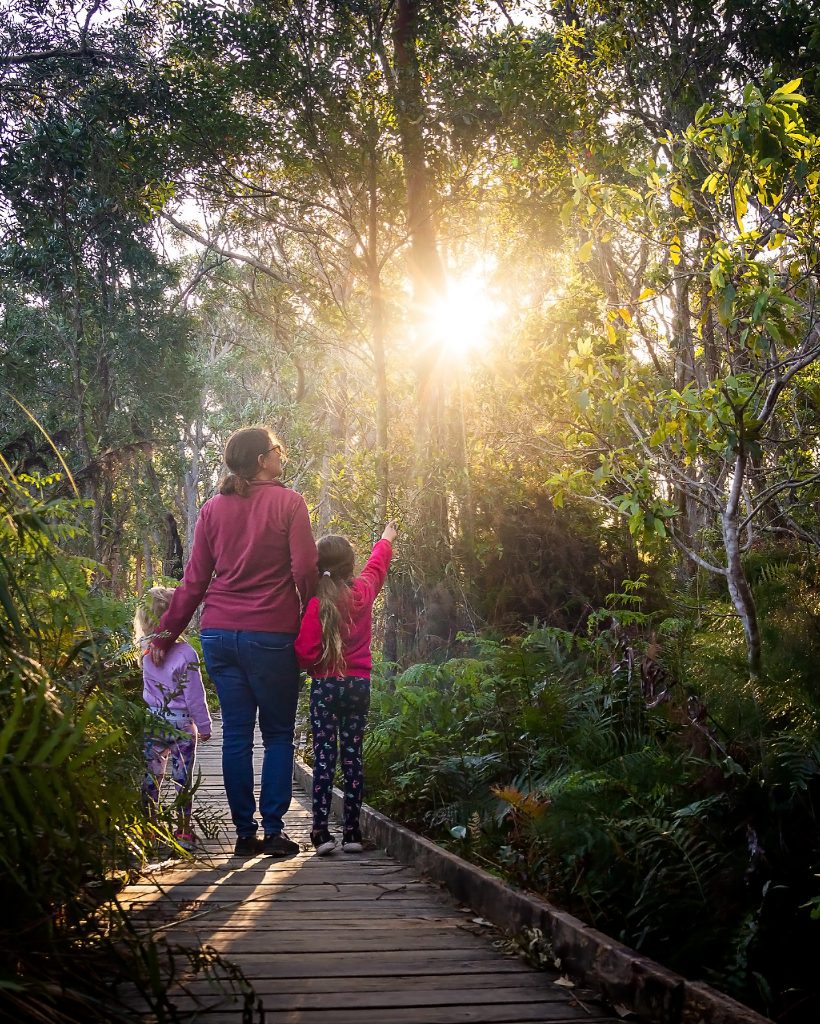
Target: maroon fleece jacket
[(253, 560)]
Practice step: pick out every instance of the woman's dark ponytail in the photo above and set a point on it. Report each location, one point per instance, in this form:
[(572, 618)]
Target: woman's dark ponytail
[(242, 458)]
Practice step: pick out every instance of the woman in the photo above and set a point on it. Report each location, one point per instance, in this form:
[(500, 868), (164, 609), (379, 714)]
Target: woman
[(253, 561)]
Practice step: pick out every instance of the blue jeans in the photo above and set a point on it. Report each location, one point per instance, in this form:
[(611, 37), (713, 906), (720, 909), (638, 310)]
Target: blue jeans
[(255, 672)]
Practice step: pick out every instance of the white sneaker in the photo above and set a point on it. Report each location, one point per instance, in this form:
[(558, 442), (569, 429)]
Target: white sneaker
[(323, 842), (352, 841)]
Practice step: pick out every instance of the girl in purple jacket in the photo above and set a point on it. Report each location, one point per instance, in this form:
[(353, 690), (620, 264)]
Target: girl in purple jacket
[(175, 696)]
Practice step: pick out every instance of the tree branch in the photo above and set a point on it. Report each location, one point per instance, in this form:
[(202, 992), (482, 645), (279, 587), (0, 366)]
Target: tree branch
[(695, 557), (770, 492), (263, 268)]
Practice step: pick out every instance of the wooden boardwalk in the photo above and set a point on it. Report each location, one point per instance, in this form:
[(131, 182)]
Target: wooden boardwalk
[(344, 939)]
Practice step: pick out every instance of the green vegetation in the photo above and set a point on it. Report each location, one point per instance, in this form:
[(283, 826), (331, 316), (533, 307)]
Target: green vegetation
[(676, 811), (539, 279), (70, 765)]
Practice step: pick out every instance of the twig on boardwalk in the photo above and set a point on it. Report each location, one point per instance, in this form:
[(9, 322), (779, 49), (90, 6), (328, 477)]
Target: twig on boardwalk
[(581, 1003), (398, 888)]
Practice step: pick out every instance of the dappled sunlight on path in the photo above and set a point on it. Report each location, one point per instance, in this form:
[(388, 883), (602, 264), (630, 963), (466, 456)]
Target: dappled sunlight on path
[(342, 939)]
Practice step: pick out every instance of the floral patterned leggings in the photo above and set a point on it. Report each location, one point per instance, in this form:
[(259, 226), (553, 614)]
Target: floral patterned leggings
[(338, 715), (182, 752)]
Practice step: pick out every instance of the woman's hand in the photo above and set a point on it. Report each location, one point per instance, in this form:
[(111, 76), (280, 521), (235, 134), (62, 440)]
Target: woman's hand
[(390, 531), (157, 656)]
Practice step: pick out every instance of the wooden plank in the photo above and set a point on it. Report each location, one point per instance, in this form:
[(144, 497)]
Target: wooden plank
[(271, 893), (296, 910), (274, 874), (555, 1013), (390, 1000), (228, 924), (329, 941), (336, 965), (397, 985)]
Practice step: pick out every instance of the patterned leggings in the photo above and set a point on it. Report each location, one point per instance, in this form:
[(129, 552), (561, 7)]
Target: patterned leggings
[(182, 752), (338, 715)]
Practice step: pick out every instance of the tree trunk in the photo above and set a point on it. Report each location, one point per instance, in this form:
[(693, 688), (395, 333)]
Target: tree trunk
[(428, 277), (191, 489), (377, 340), (427, 269), (739, 589)]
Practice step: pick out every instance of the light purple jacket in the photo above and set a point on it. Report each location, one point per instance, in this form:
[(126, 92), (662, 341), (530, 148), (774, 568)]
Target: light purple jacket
[(175, 686)]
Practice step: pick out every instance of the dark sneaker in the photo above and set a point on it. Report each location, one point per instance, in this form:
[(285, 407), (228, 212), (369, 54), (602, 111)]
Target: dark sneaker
[(247, 846), (352, 841), (278, 845), (323, 842)]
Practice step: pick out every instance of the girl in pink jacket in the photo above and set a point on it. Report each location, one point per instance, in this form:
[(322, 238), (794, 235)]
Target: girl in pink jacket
[(334, 647)]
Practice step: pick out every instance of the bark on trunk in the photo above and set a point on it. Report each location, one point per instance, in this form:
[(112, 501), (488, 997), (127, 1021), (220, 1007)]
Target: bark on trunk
[(191, 489), (739, 589), (410, 115), (377, 340)]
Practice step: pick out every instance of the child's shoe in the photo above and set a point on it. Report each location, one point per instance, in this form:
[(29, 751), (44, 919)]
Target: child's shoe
[(323, 842), (352, 841), (186, 839)]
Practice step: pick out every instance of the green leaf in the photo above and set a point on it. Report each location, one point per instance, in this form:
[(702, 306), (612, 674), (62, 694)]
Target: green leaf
[(726, 304)]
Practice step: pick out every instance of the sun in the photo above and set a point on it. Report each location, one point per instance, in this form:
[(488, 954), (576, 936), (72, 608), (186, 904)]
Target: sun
[(462, 321)]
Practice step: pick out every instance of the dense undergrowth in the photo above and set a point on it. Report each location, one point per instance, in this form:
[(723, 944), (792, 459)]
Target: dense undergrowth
[(637, 778), (71, 830)]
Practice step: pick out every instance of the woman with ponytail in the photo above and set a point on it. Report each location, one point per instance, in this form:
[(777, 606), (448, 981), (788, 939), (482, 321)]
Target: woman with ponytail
[(253, 561), (334, 647)]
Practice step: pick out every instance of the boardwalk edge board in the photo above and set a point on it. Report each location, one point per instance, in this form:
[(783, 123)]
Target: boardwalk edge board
[(623, 975)]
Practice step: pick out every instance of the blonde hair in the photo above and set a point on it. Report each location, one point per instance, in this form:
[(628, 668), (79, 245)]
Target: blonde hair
[(336, 561), (242, 452), (150, 609)]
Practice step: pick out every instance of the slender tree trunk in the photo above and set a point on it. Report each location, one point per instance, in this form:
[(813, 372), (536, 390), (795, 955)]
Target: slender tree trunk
[(377, 340), (191, 488), (428, 270), (428, 278), (739, 589), (338, 426), (466, 502), (149, 561), (392, 602)]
